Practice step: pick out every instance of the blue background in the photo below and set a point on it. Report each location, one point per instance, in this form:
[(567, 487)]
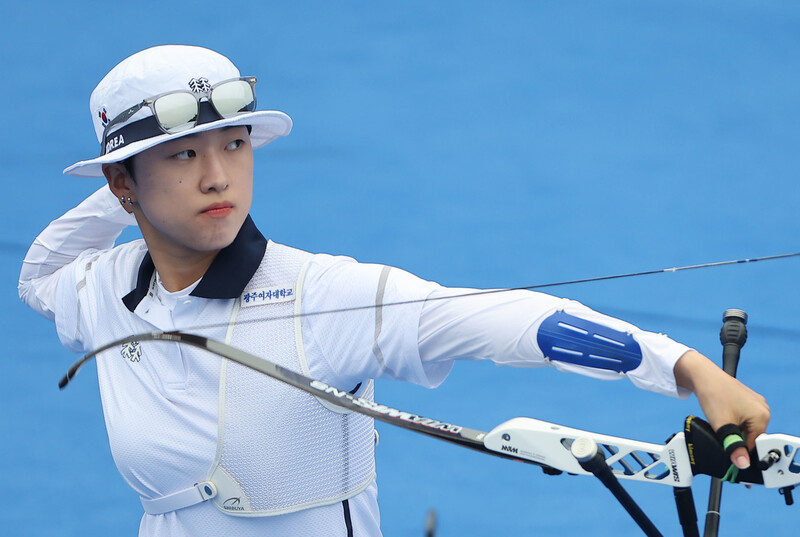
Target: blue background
[(476, 144)]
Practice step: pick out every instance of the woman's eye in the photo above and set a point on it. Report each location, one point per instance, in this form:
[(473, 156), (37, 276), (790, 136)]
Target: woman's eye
[(185, 154), (236, 144)]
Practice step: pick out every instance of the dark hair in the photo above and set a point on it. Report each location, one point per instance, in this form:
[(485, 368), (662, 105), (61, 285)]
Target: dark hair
[(128, 163)]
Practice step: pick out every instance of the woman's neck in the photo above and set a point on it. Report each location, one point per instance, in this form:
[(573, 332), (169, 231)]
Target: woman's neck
[(179, 272)]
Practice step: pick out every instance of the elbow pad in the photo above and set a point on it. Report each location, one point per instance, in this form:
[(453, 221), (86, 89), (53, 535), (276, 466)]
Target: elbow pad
[(566, 338)]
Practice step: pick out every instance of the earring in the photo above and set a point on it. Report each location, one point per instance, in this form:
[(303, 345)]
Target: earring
[(122, 200), (129, 201)]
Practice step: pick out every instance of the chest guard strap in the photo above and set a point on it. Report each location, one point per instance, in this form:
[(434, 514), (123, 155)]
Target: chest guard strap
[(566, 338)]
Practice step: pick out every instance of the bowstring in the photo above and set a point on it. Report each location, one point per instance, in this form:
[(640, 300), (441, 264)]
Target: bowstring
[(479, 292), (76, 366)]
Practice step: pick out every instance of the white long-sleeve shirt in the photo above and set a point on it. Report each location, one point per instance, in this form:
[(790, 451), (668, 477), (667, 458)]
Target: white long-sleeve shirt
[(72, 274)]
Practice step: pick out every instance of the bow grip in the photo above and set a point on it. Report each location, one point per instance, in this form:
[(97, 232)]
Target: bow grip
[(708, 456)]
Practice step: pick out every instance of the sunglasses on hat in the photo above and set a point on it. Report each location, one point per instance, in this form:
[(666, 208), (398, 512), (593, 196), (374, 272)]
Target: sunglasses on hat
[(178, 111)]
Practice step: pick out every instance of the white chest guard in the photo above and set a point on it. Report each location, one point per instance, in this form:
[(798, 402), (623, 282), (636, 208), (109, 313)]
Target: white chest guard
[(280, 450)]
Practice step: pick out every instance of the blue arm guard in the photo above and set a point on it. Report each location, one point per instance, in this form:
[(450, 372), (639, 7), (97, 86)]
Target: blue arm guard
[(566, 338)]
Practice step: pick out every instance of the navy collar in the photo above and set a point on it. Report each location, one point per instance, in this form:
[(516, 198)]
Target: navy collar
[(228, 275)]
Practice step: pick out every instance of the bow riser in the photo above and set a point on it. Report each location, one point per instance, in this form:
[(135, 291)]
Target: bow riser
[(547, 443), (785, 471)]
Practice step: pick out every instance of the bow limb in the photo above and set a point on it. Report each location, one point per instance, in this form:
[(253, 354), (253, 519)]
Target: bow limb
[(463, 436), (74, 368)]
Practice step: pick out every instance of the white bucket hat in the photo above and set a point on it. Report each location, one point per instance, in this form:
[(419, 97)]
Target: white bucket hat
[(156, 71)]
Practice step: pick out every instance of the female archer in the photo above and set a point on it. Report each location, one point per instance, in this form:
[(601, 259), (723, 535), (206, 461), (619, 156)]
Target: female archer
[(212, 447)]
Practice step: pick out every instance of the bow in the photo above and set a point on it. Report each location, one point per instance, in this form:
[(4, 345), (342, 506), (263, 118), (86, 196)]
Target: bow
[(523, 439), (554, 448)]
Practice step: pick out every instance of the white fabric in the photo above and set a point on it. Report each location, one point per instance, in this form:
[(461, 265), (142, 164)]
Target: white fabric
[(265, 424), (93, 225), (161, 406), (502, 327)]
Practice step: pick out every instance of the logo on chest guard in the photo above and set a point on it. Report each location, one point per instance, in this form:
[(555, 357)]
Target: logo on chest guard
[(131, 351), (232, 504)]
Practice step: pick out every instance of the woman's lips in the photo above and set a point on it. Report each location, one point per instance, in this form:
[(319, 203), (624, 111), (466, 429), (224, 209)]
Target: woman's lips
[(218, 210)]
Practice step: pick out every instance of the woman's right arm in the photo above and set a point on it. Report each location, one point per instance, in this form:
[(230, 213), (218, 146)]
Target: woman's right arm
[(91, 226)]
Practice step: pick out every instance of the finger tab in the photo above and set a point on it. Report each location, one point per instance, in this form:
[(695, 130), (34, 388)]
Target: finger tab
[(731, 438)]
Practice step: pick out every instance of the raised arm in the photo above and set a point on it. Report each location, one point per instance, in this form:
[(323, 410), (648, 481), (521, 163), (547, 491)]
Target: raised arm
[(91, 226), (507, 329), (529, 329)]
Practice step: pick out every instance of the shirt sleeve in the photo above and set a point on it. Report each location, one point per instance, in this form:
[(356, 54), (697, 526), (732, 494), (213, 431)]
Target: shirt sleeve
[(361, 321), (372, 321), (502, 326), (91, 226)]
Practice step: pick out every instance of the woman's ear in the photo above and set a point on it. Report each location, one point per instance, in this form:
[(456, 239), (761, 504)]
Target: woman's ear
[(119, 181)]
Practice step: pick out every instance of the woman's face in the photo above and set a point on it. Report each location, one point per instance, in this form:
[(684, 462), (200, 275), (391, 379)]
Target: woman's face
[(192, 195)]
